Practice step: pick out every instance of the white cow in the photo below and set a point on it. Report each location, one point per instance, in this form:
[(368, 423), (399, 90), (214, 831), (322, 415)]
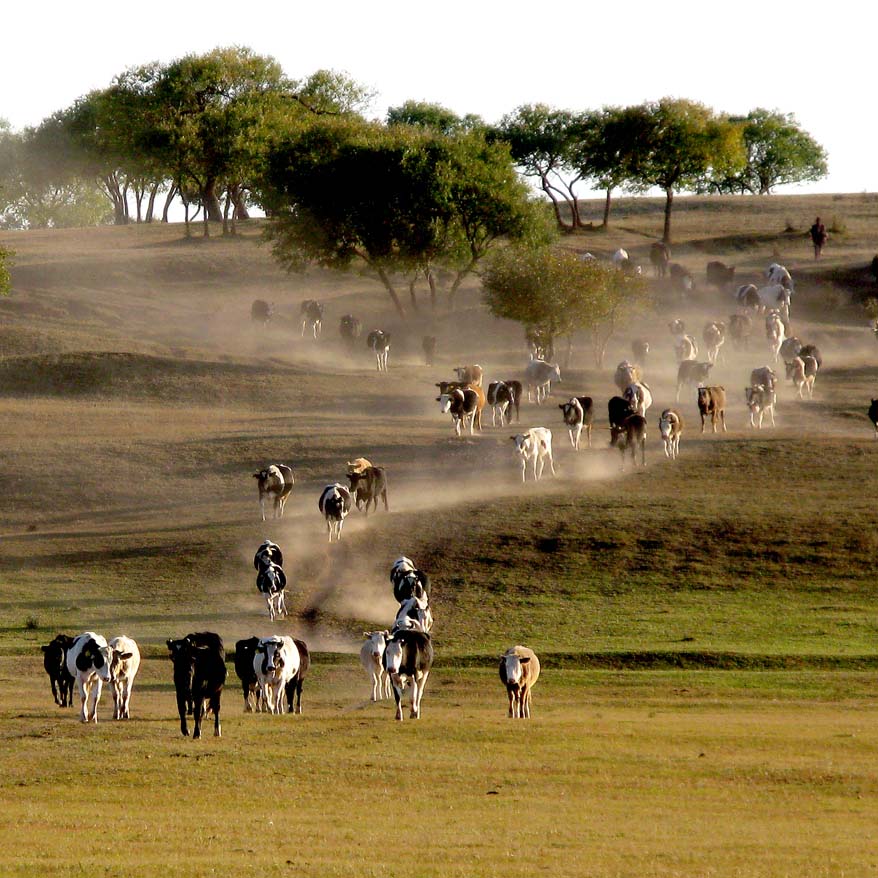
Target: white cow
[(759, 401), (88, 662), (534, 447), (775, 298), (124, 664), (519, 671), (671, 428), (275, 662), (639, 397), (372, 660), (778, 274), (539, 376), (774, 332)]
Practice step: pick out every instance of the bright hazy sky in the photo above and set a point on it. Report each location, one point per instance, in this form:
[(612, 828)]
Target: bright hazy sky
[(816, 61)]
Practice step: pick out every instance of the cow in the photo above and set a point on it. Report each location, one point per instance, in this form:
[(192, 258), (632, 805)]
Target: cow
[(471, 375), (778, 274), (503, 397), (539, 376), (617, 410), (691, 373), (578, 413), (626, 373), (685, 348), (639, 397), (628, 436), (671, 428), (802, 371), (371, 658), (378, 342), (408, 658), (714, 336), (712, 401), (660, 257), (261, 311), (276, 662), (245, 650), (640, 349), (759, 401), (88, 662), (368, 486), (350, 329), (681, 279), (519, 671), (428, 344), (774, 332), (790, 348), (199, 675), (534, 447), (358, 465), (294, 684), (55, 663), (464, 406), (408, 581), (719, 274), (311, 314), (747, 296), (268, 553), (276, 482), (270, 583), (414, 614), (124, 664), (764, 375), (335, 503), (873, 415), (811, 350), (775, 298), (740, 327)]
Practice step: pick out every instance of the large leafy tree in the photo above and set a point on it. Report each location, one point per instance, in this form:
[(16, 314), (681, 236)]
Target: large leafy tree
[(550, 289), (680, 145), (435, 117), (778, 152)]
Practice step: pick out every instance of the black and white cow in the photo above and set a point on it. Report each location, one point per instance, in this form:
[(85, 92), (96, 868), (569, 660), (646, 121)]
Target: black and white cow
[(268, 552), (311, 313), (270, 583), (350, 330), (275, 482), (414, 614), (408, 581), (464, 407), (55, 663), (501, 397), (245, 650), (335, 503), (378, 342), (199, 675), (408, 658), (88, 662), (368, 487), (578, 414), (294, 684), (276, 662)]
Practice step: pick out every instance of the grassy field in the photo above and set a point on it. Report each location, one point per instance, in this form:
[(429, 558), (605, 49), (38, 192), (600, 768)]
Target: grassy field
[(707, 627)]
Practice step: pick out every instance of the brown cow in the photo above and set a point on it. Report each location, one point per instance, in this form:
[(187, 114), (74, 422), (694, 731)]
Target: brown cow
[(712, 401)]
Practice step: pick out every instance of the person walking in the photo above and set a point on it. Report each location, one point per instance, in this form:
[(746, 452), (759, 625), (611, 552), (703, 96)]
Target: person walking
[(818, 237)]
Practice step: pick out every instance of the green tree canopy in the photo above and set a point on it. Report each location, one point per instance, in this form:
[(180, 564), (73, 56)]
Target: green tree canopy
[(434, 117)]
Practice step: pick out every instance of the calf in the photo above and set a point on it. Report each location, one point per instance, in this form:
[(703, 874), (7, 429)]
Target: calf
[(88, 662), (534, 447), (690, 373), (350, 329), (372, 660), (275, 482), (802, 371), (55, 663), (124, 664), (275, 662), (671, 428), (311, 313), (368, 486), (628, 436), (470, 374), (578, 414), (270, 583), (245, 651), (760, 400), (519, 671), (712, 401), (295, 683), (199, 676), (790, 348), (408, 658), (378, 342), (335, 503), (464, 407), (714, 336)]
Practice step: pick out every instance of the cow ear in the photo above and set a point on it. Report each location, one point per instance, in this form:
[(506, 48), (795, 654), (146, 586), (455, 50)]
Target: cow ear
[(367, 634), (124, 656)]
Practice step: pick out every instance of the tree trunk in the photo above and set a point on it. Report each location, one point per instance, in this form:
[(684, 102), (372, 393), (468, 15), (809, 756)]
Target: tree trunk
[(226, 207), (431, 280), (185, 215), (212, 209), (391, 292), (241, 212), (170, 197), (412, 284), (139, 192), (150, 204), (555, 205), (111, 185), (669, 203), (607, 207), (125, 203)]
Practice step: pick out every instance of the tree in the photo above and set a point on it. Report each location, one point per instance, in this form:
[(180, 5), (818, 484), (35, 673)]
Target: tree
[(682, 144), (433, 116), (391, 201), (555, 292), (545, 144), (778, 152)]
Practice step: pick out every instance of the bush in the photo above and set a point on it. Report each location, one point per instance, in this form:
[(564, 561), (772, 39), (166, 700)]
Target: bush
[(837, 226)]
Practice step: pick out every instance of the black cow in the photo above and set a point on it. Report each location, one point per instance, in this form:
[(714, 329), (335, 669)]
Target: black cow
[(261, 311), (811, 350), (199, 675), (55, 663), (245, 651), (408, 658), (368, 486), (294, 684), (618, 409), (350, 330), (630, 434)]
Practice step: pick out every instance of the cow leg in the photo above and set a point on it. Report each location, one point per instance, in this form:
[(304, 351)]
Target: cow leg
[(511, 696), (83, 698), (397, 694), (198, 714), (551, 462), (182, 705), (215, 706), (95, 698), (525, 699)]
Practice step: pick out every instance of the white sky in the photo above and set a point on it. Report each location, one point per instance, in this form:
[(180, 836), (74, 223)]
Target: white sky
[(486, 57)]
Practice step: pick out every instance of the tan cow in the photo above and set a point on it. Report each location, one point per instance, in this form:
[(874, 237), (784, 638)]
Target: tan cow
[(519, 671)]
